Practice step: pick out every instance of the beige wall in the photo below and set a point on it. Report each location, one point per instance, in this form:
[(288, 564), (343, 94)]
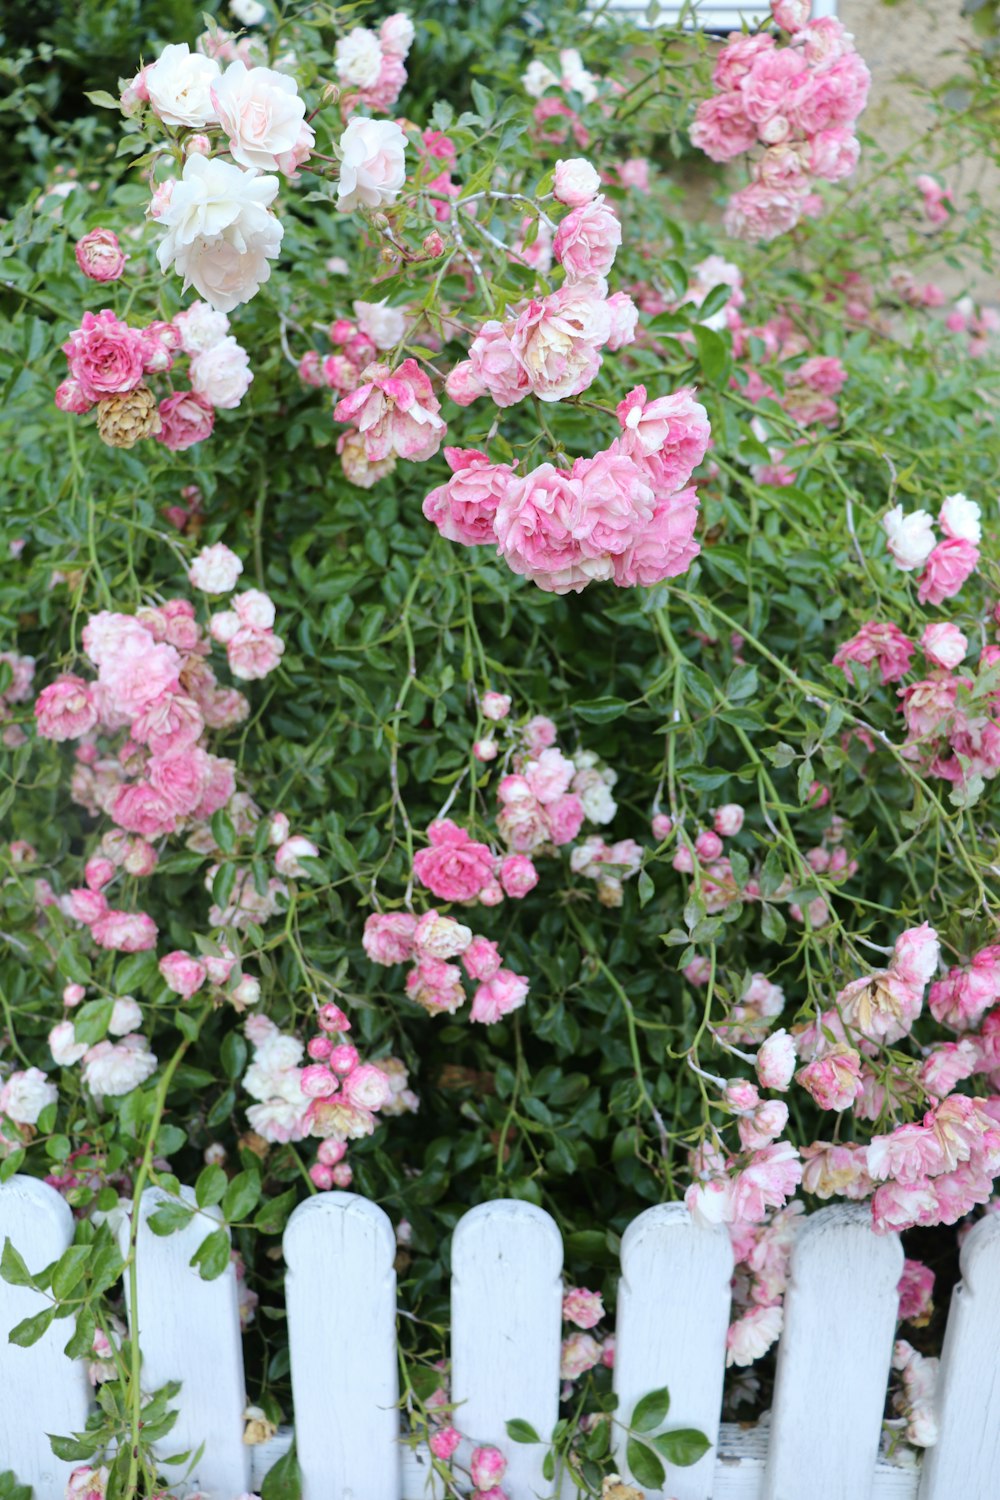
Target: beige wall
[(924, 38)]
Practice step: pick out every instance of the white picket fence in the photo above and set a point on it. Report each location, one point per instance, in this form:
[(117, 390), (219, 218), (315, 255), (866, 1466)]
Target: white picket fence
[(820, 1442), (709, 15)]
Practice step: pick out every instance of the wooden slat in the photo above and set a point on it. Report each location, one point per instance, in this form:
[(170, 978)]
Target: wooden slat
[(709, 16), (341, 1297), (833, 1360), (41, 1391), (506, 1314), (673, 1312), (966, 1459), (189, 1330)]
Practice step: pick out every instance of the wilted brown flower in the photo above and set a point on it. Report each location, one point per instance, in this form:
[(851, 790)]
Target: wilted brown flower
[(122, 420)]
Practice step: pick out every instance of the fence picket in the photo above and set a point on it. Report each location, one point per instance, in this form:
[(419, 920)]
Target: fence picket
[(506, 1318), (673, 1312), (966, 1458), (42, 1391), (341, 1296), (833, 1360), (189, 1330)]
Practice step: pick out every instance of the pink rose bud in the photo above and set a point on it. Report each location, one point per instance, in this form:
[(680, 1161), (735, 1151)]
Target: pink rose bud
[(487, 1467), (322, 1177), (433, 244), (97, 872), (331, 1152), (485, 750), (99, 255), (662, 826), (576, 182), (741, 1094), (183, 973), (518, 875), (728, 819), (73, 994), (775, 1061), (197, 145), (247, 992), (317, 1082), (343, 1175), (708, 845), (319, 1048), (443, 1443), (332, 1018), (683, 860), (495, 706), (697, 972), (344, 1058), (278, 829), (140, 859)]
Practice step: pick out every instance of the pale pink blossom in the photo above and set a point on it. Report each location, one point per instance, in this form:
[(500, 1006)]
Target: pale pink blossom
[(580, 1353), (775, 1061), (455, 867), (875, 644), (947, 567), (183, 973), (576, 182), (582, 1307), (752, 1334), (395, 412), (464, 509), (215, 570), (496, 997), (99, 255), (834, 1080), (389, 937), (25, 1094)]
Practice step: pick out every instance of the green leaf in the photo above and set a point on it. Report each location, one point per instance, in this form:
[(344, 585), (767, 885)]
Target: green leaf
[(651, 1411), (283, 1481), (601, 710), (713, 353), (274, 1215), (241, 1196), (210, 1186), (682, 1447), (212, 1255), (772, 923), (233, 1054), (646, 1467), (103, 99), (73, 1448), (12, 1267), (170, 1217), (521, 1432), (30, 1330), (223, 831), (69, 1269), (90, 1022)]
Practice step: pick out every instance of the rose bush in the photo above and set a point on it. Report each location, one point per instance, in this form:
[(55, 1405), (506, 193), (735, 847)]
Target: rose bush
[(485, 645)]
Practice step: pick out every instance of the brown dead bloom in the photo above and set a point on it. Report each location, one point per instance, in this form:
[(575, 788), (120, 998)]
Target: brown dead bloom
[(123, 420), (614, 1489), (258, 1429)]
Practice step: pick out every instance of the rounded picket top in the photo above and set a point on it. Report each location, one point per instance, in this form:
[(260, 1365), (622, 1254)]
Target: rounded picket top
[(979, 1257), (327, 1223), (504, 1230), (669, 1229), (846, 1229), (32, 1210)]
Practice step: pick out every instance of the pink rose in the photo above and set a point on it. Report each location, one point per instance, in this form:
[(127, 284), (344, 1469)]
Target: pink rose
[(738, 56), (833, 154), (564, 817), (582, 1307), (624, 319), (388, 937), (556, 340), (946, 569), (758, 212), (775, 1061), (126, 932), (455, 867), (463, 510), (665, 547), (487, 1467), (587, 240), (183, 973), (518, 875), (65, 710), (105, 356), (834, 1080), (395, 412), (671, 432), (99, 255), (481, 959), (494, 367), (70, 396), (253, 654), (576, 182), (722, 128), (791, 15), (879, 645), (944, 645), (498, 996), (830, 98), (186, 418), (436, 985)]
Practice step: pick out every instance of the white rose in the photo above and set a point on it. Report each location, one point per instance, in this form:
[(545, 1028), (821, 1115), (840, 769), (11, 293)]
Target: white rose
[(248, 12), (220, 235), (960, 518), (25, 1095), (287, 858), (911, 538), (215, 569), (126, 1015), (373, 164), (396, 34), (63, 1045), (576, 77), (384, 325), (598, 804), (260, 111), (576, 182), (201, 327), (179, 85), (222, 374), (359, 58), (537, 78), (111, 1069)]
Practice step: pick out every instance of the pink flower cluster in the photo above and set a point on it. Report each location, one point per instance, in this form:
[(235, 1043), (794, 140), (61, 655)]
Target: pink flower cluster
[(627, 515), (981, 324), (18, 690), (394, 413), (430, 941), (550, 348), (334, 1098), (943, 566), (107, 357), (371, 67), (935, 198), (800, 102)]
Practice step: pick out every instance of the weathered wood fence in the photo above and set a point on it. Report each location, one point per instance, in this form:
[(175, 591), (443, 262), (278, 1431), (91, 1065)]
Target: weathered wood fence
[(820, 1442)]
